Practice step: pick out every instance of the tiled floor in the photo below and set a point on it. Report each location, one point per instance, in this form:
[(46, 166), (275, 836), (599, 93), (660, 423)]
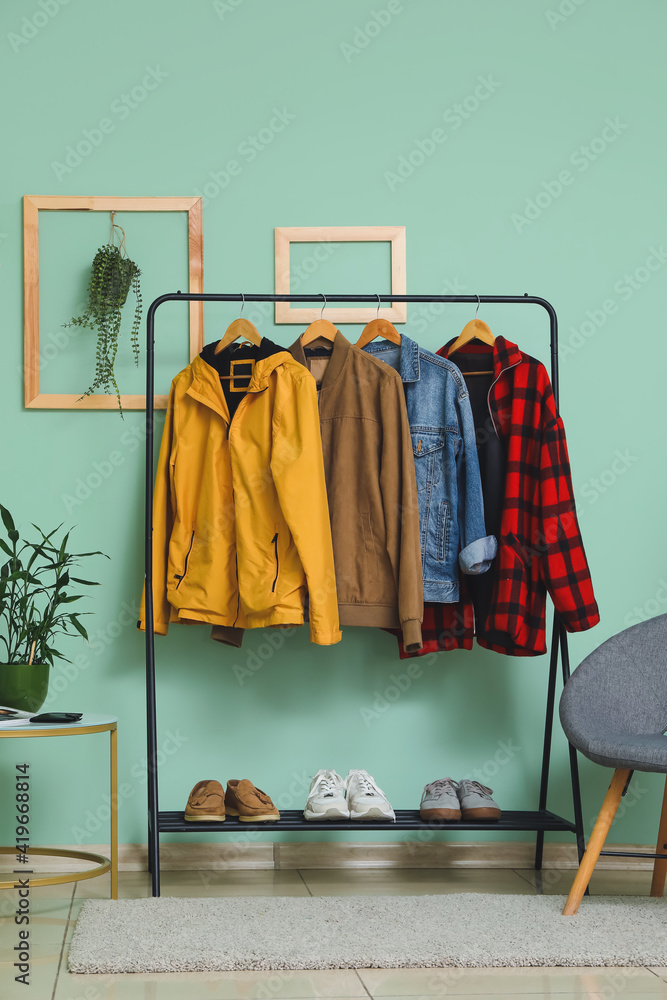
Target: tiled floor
[(55, 908)]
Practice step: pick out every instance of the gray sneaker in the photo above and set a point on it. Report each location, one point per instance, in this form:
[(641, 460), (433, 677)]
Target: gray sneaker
[(440, 801), (476, 801)]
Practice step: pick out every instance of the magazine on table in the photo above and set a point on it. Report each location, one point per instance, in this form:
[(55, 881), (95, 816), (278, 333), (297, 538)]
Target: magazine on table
[(13, 717)]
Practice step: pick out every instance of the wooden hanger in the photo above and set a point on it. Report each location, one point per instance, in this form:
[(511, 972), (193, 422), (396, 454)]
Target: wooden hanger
[(239, 328), (476, 329), (379, 328), (319, 328)]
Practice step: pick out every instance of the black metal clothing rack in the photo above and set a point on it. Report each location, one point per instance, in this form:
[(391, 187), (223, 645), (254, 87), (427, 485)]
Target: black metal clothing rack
[(538, 821)]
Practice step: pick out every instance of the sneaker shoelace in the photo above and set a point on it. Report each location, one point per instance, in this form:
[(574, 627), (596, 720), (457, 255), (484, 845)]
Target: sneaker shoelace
[(327, 784), (443, 785), (367, 785), (475, 786)]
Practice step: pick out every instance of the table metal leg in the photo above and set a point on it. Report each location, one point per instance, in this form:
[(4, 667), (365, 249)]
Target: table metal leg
[(114, 813)]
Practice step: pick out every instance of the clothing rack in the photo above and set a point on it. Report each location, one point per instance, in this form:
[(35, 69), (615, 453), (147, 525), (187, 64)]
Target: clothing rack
[(538, 821)]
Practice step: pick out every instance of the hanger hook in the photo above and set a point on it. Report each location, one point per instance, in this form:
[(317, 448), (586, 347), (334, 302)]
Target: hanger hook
[(377, 314), (478, 303), (242, 304), (325, 304)]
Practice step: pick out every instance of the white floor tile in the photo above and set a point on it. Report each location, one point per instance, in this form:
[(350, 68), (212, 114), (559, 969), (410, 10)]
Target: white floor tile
[(42, 975), (412, 882), (515, 982), (329, 984), (603, 883), (137, 885)]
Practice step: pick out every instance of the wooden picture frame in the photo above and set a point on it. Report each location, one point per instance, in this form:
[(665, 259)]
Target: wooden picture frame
[(32, 206), (286, 235)]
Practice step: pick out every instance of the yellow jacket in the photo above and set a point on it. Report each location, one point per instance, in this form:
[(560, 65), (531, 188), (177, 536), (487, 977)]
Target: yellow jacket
[(241, 531)]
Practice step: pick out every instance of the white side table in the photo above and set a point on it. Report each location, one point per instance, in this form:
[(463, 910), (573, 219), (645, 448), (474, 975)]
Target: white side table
[(86, 725)]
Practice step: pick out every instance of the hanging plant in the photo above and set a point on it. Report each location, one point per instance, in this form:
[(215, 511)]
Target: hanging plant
[(112, 276)]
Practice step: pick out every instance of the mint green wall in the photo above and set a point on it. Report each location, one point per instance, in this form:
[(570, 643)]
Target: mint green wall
[(528, 188)]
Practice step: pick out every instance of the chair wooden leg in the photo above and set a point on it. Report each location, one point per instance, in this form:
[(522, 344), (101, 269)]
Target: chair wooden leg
[(597, 839), (660, 864)]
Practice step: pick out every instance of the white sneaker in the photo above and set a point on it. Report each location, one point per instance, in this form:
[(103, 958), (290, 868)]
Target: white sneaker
[(326, 798), (365, 799)]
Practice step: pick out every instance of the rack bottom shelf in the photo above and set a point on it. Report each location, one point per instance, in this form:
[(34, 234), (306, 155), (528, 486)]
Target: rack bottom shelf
[(406, 819)]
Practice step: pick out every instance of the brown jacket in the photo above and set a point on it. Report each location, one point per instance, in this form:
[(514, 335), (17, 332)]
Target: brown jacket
[(371, 488)]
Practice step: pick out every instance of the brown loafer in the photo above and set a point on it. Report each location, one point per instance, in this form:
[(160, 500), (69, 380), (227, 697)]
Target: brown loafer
[(250, 804), (206, 802)]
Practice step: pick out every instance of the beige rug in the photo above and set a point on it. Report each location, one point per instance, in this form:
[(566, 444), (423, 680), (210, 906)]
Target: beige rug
[(348, 932)]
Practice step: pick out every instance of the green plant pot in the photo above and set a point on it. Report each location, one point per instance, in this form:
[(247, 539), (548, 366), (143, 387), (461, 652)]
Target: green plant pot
[(24, 685)]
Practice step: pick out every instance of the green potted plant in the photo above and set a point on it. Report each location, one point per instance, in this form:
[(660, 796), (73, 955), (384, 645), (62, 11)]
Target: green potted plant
[(35, 596), (112, 275)]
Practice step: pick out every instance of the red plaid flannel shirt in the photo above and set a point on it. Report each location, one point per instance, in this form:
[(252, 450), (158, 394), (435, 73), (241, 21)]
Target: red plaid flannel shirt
[(540, 547)]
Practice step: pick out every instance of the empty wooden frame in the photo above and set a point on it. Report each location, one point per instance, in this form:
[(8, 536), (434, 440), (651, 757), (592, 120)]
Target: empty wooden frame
[(286, 235), (32, 206)]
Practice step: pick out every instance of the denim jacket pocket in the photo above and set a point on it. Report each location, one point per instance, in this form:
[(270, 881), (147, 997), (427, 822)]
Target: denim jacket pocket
[(443, 530), (426, 446)]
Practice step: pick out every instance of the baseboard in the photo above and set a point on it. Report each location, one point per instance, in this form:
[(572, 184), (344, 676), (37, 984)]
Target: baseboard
[(406, 854)]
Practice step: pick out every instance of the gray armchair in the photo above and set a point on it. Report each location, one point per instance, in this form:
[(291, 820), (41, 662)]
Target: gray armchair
[(614, 710)]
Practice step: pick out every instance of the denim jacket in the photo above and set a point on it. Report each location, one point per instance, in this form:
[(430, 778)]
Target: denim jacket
[(451, 509)]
